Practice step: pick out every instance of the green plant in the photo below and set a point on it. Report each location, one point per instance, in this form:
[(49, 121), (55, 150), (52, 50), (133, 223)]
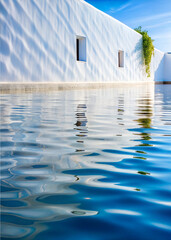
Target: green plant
[(148, 48)]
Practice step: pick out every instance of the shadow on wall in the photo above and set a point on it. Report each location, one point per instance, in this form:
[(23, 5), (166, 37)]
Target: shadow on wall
[(167, 67), (26, 51), (158, 72), (138, 49)]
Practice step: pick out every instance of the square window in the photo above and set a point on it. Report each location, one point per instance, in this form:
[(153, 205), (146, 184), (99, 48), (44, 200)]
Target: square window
[(81, 48), (120, 58)]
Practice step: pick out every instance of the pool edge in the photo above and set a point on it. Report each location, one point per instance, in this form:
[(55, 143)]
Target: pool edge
[(27, 87)]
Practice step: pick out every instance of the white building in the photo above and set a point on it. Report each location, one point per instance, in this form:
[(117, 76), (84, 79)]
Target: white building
[(71, 41)]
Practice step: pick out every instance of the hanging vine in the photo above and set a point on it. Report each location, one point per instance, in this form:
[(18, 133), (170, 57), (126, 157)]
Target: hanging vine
[(148, 48)]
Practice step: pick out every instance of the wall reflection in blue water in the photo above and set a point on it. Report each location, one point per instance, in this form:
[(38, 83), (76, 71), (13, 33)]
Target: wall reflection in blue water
[(86, 164)]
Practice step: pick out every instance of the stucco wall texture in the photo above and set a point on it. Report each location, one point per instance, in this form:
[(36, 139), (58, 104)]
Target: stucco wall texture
[(167, 67), (38, 44)]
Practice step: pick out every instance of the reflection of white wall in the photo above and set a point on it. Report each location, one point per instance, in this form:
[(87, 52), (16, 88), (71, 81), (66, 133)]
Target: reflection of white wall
[(38, 43), (45, 140), (47, 128)]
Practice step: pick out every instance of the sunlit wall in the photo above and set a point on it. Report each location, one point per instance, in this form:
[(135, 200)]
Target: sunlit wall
[(38, 44)]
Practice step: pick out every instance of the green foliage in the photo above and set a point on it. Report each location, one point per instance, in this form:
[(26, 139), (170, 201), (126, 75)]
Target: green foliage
[(143, 173), (148, 48)]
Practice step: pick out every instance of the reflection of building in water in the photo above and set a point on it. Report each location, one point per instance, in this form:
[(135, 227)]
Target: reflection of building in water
[(162, 111), (120, 113), (81, 125), (33, 167), (145, 111), (39, 172)]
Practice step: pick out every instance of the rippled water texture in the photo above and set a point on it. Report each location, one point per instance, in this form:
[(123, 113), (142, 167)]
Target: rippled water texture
[(87, 164)]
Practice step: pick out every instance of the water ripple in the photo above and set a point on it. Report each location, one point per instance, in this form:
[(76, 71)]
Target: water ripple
[(95, 162)]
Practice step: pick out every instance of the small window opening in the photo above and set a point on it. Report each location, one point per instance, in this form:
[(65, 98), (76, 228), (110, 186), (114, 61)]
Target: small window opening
[(77, 43), (120, 58), (80, 48)]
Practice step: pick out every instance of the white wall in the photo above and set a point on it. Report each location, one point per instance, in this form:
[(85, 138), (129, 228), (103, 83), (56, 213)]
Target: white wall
[(157, 66), (38, 43), (167, 67)]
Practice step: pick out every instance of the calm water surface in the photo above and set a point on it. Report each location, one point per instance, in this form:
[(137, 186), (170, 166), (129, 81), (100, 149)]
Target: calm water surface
[(87, 164)]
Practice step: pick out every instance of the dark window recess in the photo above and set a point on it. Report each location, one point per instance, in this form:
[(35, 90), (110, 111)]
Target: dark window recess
[(81, 48), (120, 58), (77, 43)]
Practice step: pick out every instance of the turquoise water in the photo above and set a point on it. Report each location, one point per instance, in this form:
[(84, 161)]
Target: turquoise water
[(87, 164)]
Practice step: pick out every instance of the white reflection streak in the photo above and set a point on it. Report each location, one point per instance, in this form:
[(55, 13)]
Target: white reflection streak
[(121, 211)]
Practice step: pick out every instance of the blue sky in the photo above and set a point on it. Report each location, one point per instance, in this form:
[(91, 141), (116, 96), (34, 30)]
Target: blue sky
[(153, 15)]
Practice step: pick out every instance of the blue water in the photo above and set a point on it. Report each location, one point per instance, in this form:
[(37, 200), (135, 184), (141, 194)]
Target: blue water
[(87, 164)]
